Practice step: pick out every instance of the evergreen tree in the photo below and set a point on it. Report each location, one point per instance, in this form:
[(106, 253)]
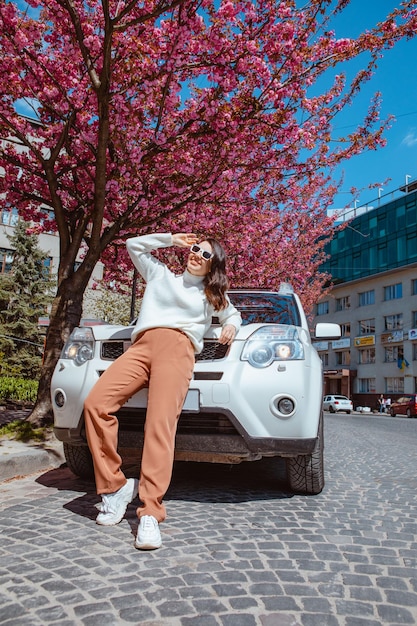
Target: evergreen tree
[(25, 294)]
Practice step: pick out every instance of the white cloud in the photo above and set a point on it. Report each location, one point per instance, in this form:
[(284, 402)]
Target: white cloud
[(410, 139)]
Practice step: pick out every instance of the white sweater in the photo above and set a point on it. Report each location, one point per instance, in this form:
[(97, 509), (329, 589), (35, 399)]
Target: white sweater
[(170, 300)]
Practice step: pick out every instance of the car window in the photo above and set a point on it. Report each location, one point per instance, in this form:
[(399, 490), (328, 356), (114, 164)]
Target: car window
[(266, 308)]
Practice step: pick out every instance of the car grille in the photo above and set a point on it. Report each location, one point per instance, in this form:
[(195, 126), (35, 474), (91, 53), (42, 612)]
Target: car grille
[(212, 350), (111, 350), (202, 423)]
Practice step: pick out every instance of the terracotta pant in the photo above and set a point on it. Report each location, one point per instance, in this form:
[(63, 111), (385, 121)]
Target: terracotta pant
[(163, 360)]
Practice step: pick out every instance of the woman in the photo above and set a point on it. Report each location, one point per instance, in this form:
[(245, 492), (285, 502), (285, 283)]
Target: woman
[(176, 312)]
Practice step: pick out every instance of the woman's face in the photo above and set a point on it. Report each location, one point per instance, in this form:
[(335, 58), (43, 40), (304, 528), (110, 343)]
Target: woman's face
[(196, 265)]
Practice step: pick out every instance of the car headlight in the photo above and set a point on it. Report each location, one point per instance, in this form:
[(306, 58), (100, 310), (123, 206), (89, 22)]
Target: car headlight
[(273, 343), (80, 346)]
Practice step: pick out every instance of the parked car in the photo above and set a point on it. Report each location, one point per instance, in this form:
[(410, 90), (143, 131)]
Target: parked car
[(334, 404), (407, 405), (259, 397)]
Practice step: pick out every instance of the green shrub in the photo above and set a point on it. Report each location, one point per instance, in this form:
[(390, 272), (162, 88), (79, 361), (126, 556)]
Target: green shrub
[(23, 431), (18, 389)]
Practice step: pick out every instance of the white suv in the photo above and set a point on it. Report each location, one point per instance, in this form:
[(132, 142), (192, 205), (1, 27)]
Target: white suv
[(259, 397)]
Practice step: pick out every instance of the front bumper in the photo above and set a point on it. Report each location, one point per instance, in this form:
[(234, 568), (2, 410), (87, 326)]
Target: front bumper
[(208, 437)]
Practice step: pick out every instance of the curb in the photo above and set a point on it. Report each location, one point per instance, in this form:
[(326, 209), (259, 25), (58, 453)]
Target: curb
[(19, 459)]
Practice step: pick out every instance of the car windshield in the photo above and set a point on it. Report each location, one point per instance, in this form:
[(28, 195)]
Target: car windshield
[(262, 308)]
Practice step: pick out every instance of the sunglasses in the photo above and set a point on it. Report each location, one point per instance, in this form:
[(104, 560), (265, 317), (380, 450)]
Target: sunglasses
[(205, 254)]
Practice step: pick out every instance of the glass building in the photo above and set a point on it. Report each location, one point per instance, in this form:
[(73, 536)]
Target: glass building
[(381, 239), (373, 263)]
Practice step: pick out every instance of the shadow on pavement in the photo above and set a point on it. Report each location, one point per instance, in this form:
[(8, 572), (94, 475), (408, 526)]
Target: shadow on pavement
[(197, 482), (211, 482)]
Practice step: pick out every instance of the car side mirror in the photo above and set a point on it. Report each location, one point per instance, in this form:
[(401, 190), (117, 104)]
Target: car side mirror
[(327, 330)]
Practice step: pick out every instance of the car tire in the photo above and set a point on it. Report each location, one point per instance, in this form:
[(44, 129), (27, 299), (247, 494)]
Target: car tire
[(393, 414), (348, 412), (79, 460), (408, 412), (305, 473), (332, 409)]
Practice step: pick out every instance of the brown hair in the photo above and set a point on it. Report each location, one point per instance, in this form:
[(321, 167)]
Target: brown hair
[(216, 282)]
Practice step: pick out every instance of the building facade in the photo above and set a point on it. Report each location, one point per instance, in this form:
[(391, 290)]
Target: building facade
[(373, 263)]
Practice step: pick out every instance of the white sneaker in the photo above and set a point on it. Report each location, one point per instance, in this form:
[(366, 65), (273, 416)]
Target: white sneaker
[(113, 505), (149, 536)]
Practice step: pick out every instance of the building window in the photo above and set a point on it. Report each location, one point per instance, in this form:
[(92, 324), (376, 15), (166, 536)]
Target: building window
[(47, 267), (345, 328), (394, 385), (367, 385), (414, 319), (393, 292), (394, 322), (367, 327), (46, 216), (9, 217), (414, 351), (343, 303), (323, 308), (343, 357), (367, 297), (393, 353), (367, 355), (414, 287), (6, 260)]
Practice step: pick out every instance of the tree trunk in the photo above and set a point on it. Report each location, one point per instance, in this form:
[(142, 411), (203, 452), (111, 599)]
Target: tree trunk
[(65, 315)]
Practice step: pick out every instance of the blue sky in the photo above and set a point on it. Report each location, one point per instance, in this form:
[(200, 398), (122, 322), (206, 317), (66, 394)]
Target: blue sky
[(396, 79)]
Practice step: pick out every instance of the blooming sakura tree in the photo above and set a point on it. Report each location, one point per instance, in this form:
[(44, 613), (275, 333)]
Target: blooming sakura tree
[(181, 115)]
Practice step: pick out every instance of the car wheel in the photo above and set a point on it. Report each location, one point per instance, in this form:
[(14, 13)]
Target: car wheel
[(332, 409), (348, 412), (79, 460), (393, 414), (408, 413), (305, 473)]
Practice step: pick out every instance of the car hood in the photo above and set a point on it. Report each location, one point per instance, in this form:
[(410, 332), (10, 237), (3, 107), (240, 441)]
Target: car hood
[(110, 332)]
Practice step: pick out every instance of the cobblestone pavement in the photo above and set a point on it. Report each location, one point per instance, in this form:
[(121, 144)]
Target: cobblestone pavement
[(239, 549)]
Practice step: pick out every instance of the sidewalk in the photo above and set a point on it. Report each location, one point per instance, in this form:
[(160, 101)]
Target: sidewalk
[(18, 458)]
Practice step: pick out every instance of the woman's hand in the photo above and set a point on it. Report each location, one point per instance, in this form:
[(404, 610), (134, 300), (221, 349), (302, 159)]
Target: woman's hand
[(184, 240), (228, 334)]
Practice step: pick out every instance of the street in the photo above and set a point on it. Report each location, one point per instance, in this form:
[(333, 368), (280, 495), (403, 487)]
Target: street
[(238, 548)]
